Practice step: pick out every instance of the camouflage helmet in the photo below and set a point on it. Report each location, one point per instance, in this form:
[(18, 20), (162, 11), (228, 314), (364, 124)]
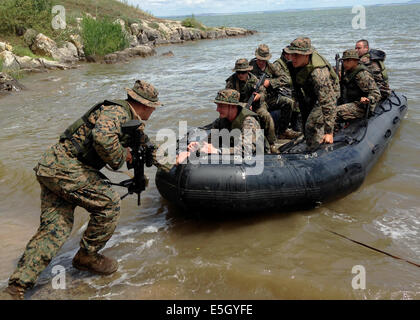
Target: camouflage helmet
[(144, 93), (263, 52), (242, 65), (350, 54), (228, 96), (300, 46)]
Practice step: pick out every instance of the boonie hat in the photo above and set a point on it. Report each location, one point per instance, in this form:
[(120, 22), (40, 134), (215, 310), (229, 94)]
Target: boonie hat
[(144, 93), (300, 46), (263, 52), (242, 65), (350, 54)]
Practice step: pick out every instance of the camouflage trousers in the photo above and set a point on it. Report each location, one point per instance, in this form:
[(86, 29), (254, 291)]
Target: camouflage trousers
[(267, 123), (350, 111), (314, 128), (57, 216), (282, 113)]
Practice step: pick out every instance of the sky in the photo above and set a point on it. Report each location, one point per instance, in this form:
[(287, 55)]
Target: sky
[(165, 8)]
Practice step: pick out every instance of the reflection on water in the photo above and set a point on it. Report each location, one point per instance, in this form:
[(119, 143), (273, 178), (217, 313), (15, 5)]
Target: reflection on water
[(165, 255)]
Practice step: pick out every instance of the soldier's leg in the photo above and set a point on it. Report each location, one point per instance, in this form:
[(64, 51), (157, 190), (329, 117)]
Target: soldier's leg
[(314, 129), (56, 224), (286, 105), (267, 124), (91, 192), (350, 111)]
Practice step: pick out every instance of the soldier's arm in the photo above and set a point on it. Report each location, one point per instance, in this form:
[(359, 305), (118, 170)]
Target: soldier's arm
[(229, 83), (248, 146), (326, 97), (280, 77), (106, 136), (368, 85)]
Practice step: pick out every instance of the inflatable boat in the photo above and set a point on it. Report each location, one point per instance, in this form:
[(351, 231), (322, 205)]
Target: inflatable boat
[(291, 179)]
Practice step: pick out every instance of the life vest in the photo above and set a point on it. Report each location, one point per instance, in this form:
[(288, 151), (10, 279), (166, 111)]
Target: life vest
[(85, 151), (305, 92), (350, 90)]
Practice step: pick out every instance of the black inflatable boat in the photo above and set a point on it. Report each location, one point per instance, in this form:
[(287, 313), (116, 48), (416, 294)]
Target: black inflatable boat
[(291, 178)]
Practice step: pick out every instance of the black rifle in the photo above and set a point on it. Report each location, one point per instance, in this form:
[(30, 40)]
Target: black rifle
[(283, 92), (142, 153), (256, 89), (337, 65)]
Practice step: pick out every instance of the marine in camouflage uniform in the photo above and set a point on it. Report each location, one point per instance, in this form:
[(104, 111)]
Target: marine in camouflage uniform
[(233, 115), (374, 61), (68, 174), (284, 105), (269, 96), (245, 88), (317, 90), (358, 89)]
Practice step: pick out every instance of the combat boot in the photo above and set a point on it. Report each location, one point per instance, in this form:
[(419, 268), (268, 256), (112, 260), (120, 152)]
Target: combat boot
[(13, 292), (94, 262)]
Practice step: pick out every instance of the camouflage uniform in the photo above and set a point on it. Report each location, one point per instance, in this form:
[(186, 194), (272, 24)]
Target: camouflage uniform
[(317, 90), (268, 95), (356, 84), (67, 182), (284, 102), (245, 88), (246, 121), (378, 70)]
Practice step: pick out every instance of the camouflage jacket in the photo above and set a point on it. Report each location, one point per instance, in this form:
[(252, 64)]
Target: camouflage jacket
[(249, 129), (364, 86), (377, 72), (274, 74), (245, 89), (320, 89), (106, 135)]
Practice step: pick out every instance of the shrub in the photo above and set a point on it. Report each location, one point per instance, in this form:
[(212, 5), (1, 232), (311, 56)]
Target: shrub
[(18, 15), (102, 36), (193, 23)]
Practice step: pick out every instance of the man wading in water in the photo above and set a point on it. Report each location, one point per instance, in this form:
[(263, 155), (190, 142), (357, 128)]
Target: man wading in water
[(69, 176)]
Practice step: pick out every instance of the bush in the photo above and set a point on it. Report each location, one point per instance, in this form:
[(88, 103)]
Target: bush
[(192, 23), (102, 36), (18, 15)]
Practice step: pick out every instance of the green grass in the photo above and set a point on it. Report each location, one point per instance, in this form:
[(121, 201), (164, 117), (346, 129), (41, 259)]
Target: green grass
[(1, 65), (102, 36), (192, 22), (25, 51), (18, 15)]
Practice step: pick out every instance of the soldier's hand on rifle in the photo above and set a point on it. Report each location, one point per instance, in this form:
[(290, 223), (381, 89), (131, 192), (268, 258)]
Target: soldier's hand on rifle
[(129, 157), (266, 83), (364, 100), (257, 96)]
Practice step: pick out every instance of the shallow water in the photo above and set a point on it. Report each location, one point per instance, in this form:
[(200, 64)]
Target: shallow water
[(165, 255)]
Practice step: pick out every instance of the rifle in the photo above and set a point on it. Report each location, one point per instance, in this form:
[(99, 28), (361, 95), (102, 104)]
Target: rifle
[(256, 89), (142, 153), (283, 92), (337, 65)]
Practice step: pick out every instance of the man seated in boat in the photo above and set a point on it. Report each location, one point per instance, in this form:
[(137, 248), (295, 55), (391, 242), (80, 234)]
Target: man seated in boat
[(232, 115), (359, 92), (245, 83), (374, 60)]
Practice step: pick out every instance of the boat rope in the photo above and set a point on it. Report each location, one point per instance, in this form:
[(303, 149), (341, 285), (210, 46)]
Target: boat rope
[(372, 248)]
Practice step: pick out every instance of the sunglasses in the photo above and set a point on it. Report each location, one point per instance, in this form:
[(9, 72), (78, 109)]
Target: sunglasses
[(241, 72)]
